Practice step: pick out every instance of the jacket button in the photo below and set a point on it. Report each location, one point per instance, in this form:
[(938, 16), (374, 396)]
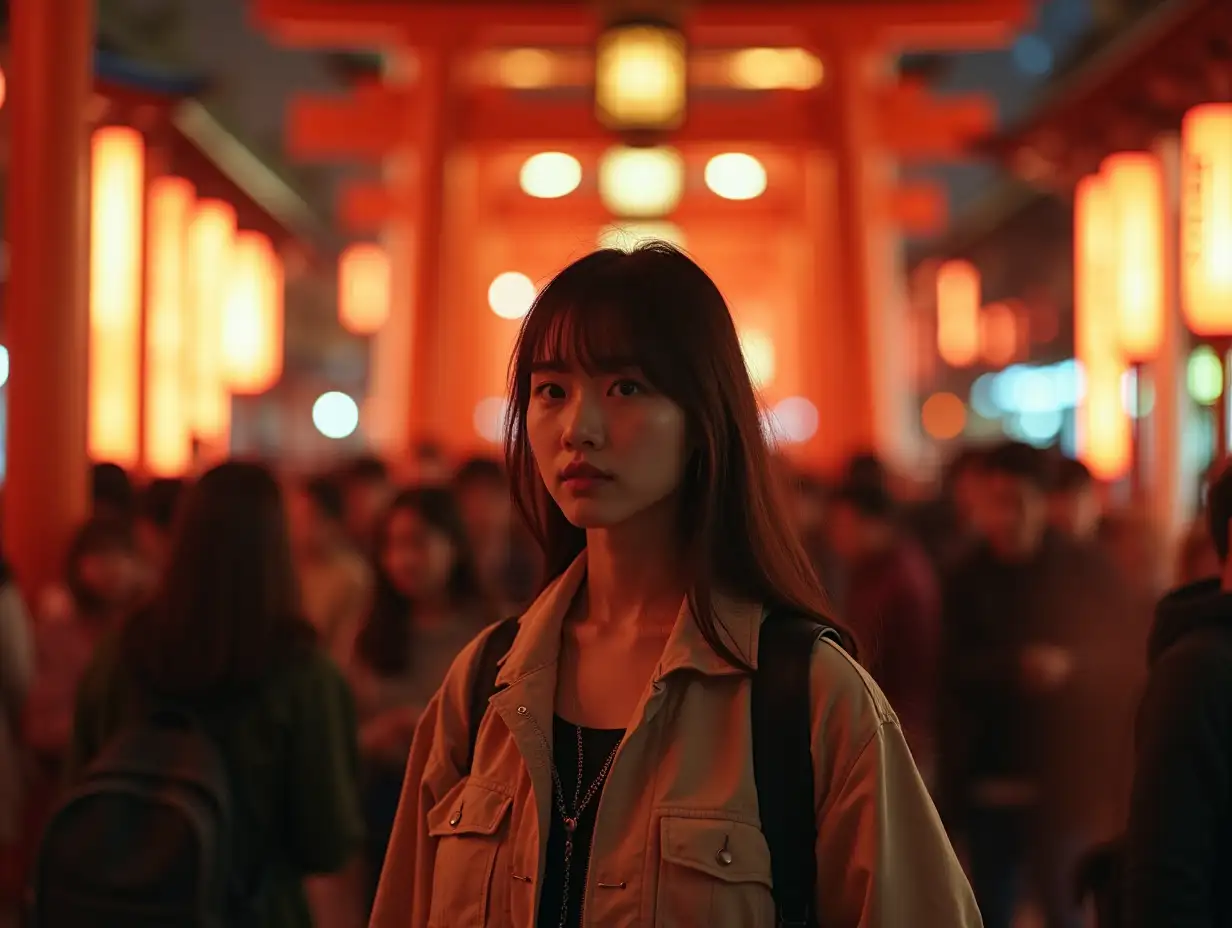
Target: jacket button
[(455, 818), (724, 857), (521, 710)]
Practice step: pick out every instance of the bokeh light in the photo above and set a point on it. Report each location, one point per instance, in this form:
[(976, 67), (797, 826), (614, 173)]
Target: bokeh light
[(511, 294), (335, 415), (550, 175)]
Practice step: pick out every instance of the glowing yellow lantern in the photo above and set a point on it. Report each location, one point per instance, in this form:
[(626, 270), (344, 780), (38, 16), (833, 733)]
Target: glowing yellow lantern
[(1136, 187), (211, 242), (363, 288), (641, 77), (117, 201), (168, 436), (1206, 219), (958, 313), (252, 317), (1104, 440)]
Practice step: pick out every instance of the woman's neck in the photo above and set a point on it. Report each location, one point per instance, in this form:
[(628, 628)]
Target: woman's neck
[(633, 577)]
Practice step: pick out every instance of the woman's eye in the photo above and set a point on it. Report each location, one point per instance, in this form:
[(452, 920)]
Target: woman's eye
[(549, 391), (627, 388)]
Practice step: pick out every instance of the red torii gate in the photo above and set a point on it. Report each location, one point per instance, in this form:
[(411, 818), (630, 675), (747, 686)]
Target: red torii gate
[(844, 132)]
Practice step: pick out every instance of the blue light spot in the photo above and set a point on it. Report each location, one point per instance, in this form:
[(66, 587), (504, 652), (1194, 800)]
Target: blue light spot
[(1033, 55)]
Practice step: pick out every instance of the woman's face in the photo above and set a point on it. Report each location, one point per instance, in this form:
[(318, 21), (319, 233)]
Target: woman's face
[(608, 446), (417, 557)]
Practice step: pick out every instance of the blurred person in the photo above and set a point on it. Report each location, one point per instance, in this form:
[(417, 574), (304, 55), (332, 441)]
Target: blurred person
[(335, 579), (1197, 558), (224, 640), (428, 603), (504, 557), (612, 781), (111, 492), (429, 465), (366, 491), (1027, 619), (1178, 846), (808, 502), (103, 582), (16, 673), (894, 604), (157, 505), (1073, 501), (949, 527)]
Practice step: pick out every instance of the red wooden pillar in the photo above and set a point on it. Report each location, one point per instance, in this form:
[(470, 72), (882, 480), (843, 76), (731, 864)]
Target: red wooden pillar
[(46, 489)]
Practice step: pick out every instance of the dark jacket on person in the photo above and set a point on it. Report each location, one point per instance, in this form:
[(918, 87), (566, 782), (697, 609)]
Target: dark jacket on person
[(1178, 849)]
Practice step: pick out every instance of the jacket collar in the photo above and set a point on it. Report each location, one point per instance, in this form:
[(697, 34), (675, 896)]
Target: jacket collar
[(537, 645)]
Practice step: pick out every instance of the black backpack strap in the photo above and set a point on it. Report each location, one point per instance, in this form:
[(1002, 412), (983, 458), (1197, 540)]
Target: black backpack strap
[(495, 647), (783, 760)]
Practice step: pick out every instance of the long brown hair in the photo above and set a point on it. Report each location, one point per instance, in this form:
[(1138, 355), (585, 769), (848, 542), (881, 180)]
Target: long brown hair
[(227, 610), (655, 309)]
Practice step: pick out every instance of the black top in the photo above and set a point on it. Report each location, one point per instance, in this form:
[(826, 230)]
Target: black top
[(597, 745), (1179, 842)]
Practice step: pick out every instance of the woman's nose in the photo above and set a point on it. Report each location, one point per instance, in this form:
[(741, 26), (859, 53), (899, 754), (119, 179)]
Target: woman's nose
[(584, 425)]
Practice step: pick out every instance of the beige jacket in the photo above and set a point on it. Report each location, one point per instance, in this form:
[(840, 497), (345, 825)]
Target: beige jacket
[(470, 851)]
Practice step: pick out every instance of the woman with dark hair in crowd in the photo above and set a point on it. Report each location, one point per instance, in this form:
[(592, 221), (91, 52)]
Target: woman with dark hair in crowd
[(612, 778), (427, 603), (224, 637)]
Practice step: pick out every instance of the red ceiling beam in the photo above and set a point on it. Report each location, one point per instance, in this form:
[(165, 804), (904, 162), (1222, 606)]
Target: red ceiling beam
[(919, 209), (938, 24), (364, 125)]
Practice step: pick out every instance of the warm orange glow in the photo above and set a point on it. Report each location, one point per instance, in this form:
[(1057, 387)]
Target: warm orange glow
[(998, 334), (168, 436), (252, 317), (363, 288), (1206, 219), (944, 416), (116, 228), (1103, 427), (1136, 186), (958, 313), (211, 241)]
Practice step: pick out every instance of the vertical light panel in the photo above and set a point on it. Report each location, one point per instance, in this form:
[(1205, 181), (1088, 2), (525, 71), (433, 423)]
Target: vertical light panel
[(958, 313), (211, 242), (1103, 426), (168, 432), (363, 288), (116, 235), (1136, 186), (249, 329), (1206, 219)]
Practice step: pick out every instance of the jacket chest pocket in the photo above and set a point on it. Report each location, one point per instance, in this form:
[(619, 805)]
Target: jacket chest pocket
[(713, 872), (470, 826)]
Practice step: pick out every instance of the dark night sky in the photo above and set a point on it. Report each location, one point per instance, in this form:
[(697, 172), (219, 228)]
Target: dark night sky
[(257, 77)]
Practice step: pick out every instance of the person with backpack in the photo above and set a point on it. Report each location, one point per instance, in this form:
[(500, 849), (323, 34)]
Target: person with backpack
[(214, 753), (671, 733), (1177, 850)]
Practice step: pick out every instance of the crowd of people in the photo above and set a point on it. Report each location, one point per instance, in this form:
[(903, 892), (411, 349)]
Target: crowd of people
[(1005, 617), (313, 628)]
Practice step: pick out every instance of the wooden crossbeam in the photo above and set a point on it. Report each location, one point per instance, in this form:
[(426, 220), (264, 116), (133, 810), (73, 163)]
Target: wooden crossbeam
[(773, 119), (365, 125), (916, 126), (935, 24)]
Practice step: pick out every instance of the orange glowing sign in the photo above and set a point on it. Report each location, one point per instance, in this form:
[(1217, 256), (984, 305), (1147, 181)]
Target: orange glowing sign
[(1206, 219), (958, 313)]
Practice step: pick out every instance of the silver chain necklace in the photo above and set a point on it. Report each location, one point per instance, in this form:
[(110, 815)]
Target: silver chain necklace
[(580, 803)]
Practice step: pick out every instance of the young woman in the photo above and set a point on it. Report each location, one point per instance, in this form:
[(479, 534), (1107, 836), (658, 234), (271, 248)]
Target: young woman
[(427, 605), (224, 636), (612, 782)]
